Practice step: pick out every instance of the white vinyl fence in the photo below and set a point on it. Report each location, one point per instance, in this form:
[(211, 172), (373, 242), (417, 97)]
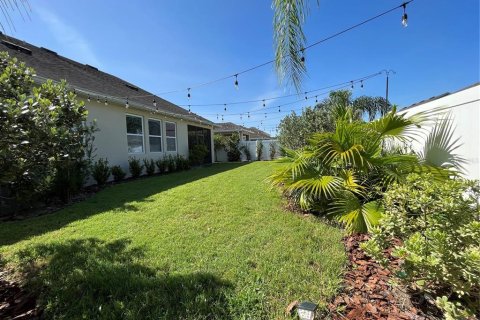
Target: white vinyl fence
[(221, 155)]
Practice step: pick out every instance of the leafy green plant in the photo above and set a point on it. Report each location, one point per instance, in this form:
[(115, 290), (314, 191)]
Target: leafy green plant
[(233, 147), (259, 150), (198, 154), (273, 150), (344, 173), (149, 165), (46, 144), (438, 223), (161, 165), (101, 171), (246, 152), (135, 167), (170, 164), (118, 173), (181, 163)]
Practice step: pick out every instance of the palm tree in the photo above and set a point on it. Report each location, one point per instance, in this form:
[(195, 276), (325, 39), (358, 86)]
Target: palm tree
[(344, 173)]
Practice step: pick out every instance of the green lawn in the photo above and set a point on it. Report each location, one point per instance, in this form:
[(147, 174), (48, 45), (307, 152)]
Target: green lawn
[(209, 243)]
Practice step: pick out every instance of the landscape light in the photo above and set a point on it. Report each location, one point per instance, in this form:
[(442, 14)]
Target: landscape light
[(404, 16), (306, 310)]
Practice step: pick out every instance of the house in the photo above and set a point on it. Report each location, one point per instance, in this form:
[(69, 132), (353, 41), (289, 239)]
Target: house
[(464, 108), (131, 121), (246, 134), (227, 128), (258, 134)]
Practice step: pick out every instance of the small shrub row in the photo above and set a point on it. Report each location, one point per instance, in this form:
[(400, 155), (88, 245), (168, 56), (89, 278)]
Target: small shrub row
[(101, 170)]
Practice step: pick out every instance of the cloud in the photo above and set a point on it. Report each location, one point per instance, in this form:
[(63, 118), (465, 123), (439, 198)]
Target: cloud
[(73, 43)]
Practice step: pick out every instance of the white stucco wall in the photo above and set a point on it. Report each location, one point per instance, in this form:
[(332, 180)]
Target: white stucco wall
[(111, 139), (465, 109), (252, 147)]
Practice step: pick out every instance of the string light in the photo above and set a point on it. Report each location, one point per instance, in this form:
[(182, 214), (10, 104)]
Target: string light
[(248, 113), (265, 115), (217, 116), (316, 99), (127, 105), (154, 103), (88, 99), (404, 16), (236, 81), (241, 116), (189, 110), (106, 102), (303, 55), (225, 107), (361, 84), (188, 94), (222, 117), (98, 99), (306, 98), (278, 108), (264, 103), (351, 84)]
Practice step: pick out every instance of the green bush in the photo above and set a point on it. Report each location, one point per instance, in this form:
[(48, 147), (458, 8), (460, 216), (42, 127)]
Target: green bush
[(273, 151), (181, 163), (161, 165), (101, 171), (259, 150), (198, 154), (118, 173), (45, 143), (149, 165), (135, 167), (170, 164), (438, 224), (246, 152), (233, 148)]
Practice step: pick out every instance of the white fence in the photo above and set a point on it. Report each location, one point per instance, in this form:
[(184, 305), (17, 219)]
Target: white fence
[(221, 155)]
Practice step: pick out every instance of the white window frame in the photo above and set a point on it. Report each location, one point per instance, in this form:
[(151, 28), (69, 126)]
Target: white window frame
[(167, 137), (155, 136), (135, 134)]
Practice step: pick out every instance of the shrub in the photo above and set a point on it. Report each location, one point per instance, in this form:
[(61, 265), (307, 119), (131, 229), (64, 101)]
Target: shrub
[(438, 224), (246, 152), (273, 151), (135, 167), (45, 144), (259, 150), (198, 154), (101, 171), (161, 165), (181, 163), (118, 173), (233, 151), (149, 165), (170, 165)]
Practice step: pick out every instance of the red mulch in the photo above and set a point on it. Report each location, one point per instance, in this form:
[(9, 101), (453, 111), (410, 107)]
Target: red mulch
[(367, 293), (16, 303)]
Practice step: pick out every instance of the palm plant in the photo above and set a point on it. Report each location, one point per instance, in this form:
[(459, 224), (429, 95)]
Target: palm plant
[(344, 173)]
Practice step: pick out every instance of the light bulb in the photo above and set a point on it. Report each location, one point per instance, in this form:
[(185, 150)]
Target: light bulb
[(404, 16), (188, 94), (225, 107), (236, 81), (154, 103), (127, 104)]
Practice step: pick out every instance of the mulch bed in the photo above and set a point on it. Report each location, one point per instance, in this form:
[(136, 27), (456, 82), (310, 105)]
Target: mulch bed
[(367, 293), (16, 303)]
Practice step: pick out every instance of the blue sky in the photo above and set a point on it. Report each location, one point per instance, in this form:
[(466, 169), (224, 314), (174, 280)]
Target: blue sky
[(168, 45)]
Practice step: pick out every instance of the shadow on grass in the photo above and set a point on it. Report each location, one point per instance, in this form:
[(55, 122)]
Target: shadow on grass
[(92, 279), (120, 197)]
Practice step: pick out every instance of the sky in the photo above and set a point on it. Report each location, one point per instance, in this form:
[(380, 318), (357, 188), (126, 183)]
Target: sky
[(164, 46)]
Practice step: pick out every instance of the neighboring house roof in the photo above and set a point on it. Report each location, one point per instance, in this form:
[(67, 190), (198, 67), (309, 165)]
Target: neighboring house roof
[(440, 96), (226, 127), (259, 134), (88, 79)]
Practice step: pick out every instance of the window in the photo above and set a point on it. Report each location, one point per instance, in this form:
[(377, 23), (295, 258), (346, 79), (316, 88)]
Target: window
[(171, 134), (155, 135), (135, 134)]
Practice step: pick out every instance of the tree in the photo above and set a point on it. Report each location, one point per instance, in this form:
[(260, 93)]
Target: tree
[(295, 130), (344, 173)]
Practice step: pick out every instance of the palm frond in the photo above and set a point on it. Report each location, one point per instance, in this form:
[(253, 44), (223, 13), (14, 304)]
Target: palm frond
[(288, 19), (318, 187), (440, 146), (357, 216)]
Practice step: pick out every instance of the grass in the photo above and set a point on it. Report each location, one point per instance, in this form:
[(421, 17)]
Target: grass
[(210, 243)]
